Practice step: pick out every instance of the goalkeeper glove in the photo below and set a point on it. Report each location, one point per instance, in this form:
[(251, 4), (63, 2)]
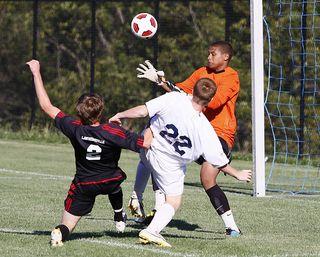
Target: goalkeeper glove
[(147, 71)]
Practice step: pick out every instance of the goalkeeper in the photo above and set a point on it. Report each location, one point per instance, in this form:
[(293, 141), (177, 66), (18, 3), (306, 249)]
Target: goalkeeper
[(221, 114)]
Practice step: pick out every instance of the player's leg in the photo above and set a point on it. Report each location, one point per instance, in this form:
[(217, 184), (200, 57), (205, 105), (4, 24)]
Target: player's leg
[(116, 200), (62, 231), (76, 205), (171, 183), (208, 175), (160, 220), (135, 203), (159, 201)]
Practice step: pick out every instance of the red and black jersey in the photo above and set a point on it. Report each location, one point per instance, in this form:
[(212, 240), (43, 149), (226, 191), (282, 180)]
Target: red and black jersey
[(97, 149)]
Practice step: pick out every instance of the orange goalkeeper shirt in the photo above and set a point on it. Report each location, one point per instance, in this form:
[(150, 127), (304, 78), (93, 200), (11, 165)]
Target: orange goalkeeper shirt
[(221, 109)]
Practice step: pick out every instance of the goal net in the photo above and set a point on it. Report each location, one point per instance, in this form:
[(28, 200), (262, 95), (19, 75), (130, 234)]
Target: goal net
[(292, 98)]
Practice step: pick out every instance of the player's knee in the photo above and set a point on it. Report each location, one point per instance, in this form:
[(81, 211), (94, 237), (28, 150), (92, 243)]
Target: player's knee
[(208, 175), (174, 201), (207, 181)]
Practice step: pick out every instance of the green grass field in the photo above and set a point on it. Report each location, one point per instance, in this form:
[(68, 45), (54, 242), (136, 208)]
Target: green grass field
[(34, 179)]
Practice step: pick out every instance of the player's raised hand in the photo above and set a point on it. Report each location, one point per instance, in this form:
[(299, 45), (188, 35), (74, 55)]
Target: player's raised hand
[(244, 175), (115, 119), (147, 71), (34, 66)]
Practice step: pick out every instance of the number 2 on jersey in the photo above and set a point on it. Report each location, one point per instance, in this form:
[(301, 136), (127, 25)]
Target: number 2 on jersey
[(93, 153), (171, 134)]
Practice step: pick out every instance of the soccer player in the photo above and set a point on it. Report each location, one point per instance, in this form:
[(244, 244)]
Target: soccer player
[(97, 150), (221, 114), (180, 137)]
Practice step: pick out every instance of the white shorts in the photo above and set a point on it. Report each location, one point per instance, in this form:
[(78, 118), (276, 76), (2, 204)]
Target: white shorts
[(170, 180)]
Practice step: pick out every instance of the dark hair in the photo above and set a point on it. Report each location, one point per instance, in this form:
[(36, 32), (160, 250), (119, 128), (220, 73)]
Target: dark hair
[(204, 90), (89, 108), (224, 47)]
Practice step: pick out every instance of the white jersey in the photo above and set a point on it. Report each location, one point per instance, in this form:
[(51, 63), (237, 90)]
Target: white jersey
[(181, 134)]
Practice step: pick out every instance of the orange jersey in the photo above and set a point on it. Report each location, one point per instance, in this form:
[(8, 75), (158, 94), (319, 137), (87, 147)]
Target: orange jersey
[(221, 109)]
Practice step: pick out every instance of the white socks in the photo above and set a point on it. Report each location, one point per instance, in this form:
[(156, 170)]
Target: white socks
[(160, 199), (228, 220), (161, 219)]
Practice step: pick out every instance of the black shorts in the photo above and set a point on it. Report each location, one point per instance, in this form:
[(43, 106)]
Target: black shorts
[(225, 149), (82, 195)]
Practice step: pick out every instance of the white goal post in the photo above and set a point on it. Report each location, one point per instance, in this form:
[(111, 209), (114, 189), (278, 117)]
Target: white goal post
[(257, 79)]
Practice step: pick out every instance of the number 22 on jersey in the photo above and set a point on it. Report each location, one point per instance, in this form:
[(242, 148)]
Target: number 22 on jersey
[(171, 135)]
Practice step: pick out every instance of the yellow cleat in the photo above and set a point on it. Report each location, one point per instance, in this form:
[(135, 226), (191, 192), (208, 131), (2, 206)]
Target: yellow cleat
[(147, 237)]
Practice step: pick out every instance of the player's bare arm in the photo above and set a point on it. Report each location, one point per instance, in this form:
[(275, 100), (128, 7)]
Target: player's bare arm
[(135, 112), (242, 175), (42, 95)]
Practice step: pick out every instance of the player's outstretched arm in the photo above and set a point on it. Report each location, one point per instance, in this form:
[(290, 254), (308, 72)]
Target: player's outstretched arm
[(135, 112), (242, 175), (42, 95)]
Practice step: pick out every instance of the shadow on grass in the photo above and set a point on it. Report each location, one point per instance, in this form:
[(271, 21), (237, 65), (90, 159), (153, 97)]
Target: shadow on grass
[(83, 235), (179, 224), (130, 234), (77, 235), (216, 236), (35, 232)]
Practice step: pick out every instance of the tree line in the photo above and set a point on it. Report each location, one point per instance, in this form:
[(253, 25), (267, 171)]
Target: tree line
[(186, 28)]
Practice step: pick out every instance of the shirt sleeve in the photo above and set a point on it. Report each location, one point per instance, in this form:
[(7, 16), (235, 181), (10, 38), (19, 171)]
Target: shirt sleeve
[(211, 146), (160, 104), (229, 86), (66, 124), (189, 83), (123, 138)]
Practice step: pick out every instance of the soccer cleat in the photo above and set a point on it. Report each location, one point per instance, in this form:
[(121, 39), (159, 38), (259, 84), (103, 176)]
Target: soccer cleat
[(232, 233), (56, 238), (147, 237), (120, 223), (139, 220), (149, 217), (136, 206)]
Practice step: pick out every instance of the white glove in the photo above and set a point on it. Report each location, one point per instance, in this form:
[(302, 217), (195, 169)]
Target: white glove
[(147, 71)]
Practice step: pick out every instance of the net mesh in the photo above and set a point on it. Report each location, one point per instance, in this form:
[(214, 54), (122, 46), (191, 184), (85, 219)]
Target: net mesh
[(292, 96)]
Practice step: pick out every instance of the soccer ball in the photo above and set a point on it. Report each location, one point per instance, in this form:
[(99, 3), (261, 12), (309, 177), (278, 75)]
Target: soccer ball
[(144, 25)]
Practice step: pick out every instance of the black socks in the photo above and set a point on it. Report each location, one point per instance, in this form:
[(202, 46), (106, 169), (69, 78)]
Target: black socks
[(64, 231), (218, 199)]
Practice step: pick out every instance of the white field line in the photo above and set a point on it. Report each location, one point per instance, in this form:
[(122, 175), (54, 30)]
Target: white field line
[(57, 177), (35, 174), (137, 247), (116, 244)]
